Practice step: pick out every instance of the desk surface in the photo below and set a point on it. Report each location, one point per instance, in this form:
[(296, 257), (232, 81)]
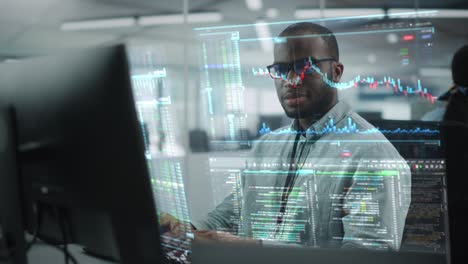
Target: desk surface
[(234, 254)]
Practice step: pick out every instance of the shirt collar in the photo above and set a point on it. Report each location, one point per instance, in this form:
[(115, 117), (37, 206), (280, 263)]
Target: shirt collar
[(337, 113)]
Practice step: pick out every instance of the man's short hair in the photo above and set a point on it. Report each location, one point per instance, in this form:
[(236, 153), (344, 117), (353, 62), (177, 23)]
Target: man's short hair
[(460, 66), (312, 28)]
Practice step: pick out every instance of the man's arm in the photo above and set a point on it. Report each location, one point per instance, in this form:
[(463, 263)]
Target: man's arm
[(173, 230), (221, 218)]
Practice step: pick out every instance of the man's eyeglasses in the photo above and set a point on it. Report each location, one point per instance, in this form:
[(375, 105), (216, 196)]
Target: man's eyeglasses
[(307, 65)]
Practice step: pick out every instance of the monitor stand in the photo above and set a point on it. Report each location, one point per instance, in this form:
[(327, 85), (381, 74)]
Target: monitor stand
[(12, 242)]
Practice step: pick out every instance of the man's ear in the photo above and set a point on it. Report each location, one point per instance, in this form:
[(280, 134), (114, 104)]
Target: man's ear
[(338, 69)]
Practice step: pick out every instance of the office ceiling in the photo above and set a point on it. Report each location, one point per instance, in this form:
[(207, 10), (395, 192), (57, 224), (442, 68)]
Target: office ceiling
[(30, 28)]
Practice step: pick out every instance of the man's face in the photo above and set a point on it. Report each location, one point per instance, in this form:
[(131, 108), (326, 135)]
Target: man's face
[(311, 97)]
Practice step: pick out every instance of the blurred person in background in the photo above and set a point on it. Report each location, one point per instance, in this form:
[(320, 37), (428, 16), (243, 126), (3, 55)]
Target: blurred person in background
[(457, 107), (454, 135)]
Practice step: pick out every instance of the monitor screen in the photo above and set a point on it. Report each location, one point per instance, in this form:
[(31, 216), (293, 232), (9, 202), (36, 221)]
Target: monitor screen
[(296, 144)]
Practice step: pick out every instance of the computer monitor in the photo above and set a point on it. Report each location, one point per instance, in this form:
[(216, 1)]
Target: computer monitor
[(81, 154)]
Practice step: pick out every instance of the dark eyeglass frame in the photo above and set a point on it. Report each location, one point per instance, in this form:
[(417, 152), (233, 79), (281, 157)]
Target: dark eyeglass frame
[(291, 66)]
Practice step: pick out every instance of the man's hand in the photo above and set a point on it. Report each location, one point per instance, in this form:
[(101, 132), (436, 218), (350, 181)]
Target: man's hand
[(169, 223), (174, 233), (219, 236)]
